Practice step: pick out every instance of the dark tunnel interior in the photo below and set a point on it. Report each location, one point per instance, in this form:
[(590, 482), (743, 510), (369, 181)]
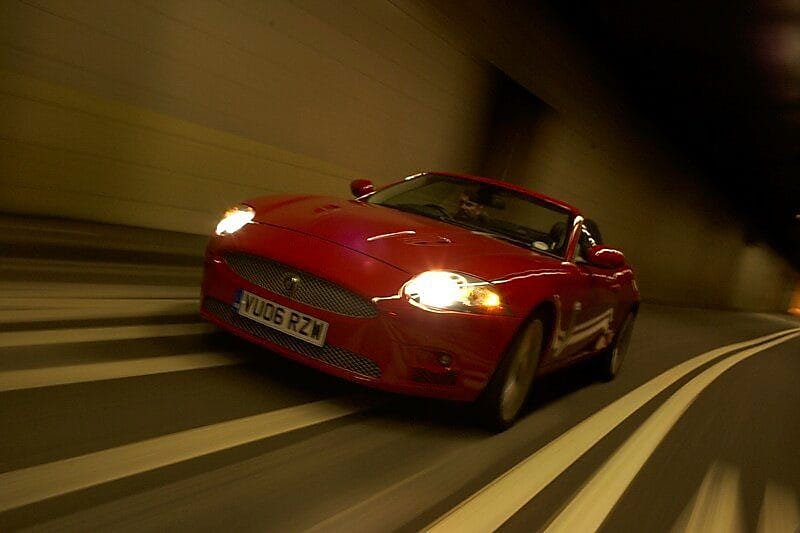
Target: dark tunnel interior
[(399, 265)]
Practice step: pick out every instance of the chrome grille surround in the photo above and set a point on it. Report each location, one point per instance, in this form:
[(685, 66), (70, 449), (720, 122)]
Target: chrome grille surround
[(332, 355), (306, 288)]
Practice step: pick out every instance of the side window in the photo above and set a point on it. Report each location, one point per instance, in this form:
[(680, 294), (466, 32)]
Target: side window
[(590, 236)]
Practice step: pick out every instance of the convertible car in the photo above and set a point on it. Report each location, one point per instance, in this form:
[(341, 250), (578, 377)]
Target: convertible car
[(441, 285)]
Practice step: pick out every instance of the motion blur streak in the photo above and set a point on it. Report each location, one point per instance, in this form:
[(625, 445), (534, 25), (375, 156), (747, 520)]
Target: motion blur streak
[(595, 501), (493, 505), (37, 483), (61, 375), (128, 127), (716, 506), (94, 309), (71, 335), (794, 305), (780, 509)]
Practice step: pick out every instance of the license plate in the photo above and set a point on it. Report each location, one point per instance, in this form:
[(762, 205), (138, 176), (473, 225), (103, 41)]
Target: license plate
[(280, 317)]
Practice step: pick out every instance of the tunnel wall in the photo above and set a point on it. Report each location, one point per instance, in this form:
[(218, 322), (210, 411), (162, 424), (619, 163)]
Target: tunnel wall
[(685, 247), (764, 281), (159, 114), (578, 139)]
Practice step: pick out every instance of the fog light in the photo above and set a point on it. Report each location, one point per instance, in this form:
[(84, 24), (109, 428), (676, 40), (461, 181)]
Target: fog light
[(445, 360)]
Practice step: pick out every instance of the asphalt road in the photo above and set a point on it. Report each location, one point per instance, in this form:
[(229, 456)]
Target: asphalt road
[(119, 410)]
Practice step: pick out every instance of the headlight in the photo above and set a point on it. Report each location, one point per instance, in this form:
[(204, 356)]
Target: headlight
[(235, 219), (440, 289)]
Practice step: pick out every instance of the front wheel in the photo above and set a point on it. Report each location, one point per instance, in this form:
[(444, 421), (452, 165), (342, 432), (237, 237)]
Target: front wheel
[(501, 401), (615, 354)]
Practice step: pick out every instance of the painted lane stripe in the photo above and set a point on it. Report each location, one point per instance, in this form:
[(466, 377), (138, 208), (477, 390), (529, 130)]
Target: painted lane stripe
[(780, 509), (490, 507), (153, 308), (593, 503), (64, 336), (62, 375), (36, 483), (717, 504), (48, 289), (26, 264)]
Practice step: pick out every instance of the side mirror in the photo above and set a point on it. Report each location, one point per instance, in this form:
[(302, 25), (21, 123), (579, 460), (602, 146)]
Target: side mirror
[(361, 187), (605, 257)]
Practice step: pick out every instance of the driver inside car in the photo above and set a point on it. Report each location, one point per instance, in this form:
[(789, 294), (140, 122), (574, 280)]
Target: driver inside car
[(469, 210)]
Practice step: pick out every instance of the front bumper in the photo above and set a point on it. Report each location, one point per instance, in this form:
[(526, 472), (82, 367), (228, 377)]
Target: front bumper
[(401, 348)]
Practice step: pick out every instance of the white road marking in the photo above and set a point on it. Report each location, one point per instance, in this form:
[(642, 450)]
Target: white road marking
[(780, 510), (716, 506), (121, 310), (593, 503), (490, 507), (36, 483), (62, 375), (63, 336)]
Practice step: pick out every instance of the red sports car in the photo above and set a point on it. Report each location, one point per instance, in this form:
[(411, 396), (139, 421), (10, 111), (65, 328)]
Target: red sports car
[(440, 285)]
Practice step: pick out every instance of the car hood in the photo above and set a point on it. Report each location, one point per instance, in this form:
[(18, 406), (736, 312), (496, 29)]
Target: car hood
[(410, 242)]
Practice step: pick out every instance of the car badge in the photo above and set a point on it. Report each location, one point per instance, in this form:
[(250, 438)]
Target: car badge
[(290, 282)]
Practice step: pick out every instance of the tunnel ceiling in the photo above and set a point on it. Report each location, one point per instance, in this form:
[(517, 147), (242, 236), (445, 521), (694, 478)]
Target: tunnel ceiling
[(721, 80)]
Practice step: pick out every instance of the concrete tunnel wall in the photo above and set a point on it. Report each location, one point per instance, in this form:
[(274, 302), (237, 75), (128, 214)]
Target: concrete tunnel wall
[(685, 247), (160, 114), (596, 153)]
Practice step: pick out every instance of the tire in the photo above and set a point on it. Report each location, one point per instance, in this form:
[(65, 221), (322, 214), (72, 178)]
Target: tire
[(611, 362), (502, 400)]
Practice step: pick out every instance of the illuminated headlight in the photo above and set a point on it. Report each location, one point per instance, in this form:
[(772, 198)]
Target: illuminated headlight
[(235, 219), (439, 289)]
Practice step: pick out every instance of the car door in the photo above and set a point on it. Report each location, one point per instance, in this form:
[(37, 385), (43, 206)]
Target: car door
[(575, 302), (593, 314), (610, 288)]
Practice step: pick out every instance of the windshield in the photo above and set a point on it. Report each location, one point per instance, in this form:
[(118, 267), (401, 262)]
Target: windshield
[(483, 208)]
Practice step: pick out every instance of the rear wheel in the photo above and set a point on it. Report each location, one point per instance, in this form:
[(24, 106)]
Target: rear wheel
[(615, 354), (501, 401)]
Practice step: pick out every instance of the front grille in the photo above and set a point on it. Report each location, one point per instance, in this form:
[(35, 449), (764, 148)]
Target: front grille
[(338, 357), (308, 289)]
